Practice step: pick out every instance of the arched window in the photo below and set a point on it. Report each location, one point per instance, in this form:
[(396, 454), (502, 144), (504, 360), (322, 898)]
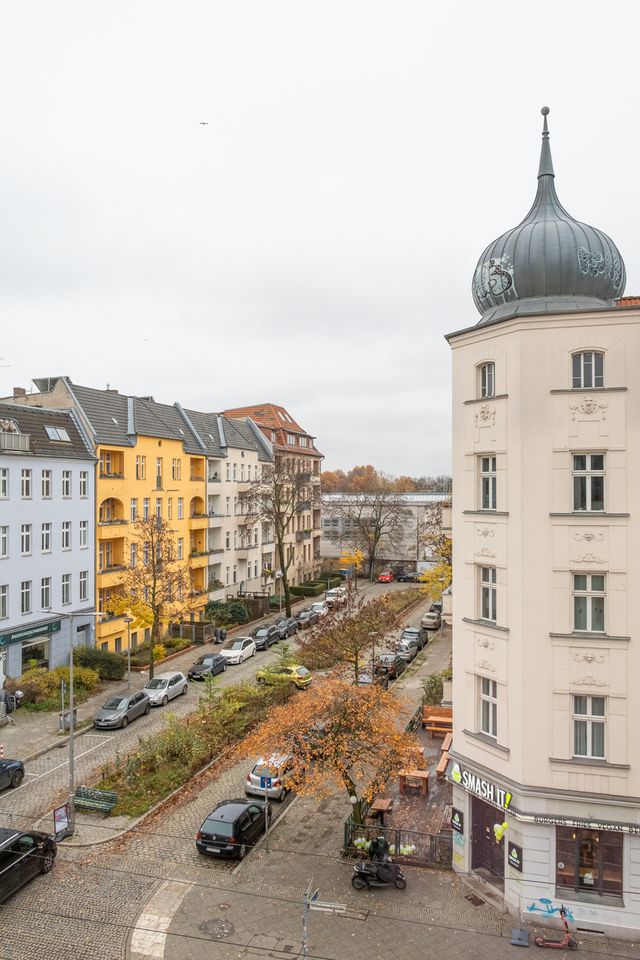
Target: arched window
[(587, 370), (487, 380)]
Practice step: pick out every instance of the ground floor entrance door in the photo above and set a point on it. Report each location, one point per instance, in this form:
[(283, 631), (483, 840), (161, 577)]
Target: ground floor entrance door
[(487, 854)]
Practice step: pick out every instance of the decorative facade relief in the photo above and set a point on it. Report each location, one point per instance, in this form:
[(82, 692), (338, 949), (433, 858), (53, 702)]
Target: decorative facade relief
[(489, 554), (486, 643), (485, 416), (485, 532), (485, 665), (589, 657), (589, 535), (588, 558), (588, 681), (588, 406)]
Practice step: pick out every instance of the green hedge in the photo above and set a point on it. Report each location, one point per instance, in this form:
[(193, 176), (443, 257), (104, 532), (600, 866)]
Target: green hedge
[(109, 666), (220, 612), (308, 590)]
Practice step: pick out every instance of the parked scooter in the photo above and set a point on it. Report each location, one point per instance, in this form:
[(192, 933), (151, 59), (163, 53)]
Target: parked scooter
[(379, 871), (567, 940)]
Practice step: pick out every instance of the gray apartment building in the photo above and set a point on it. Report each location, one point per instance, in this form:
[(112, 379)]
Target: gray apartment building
[(47, 538)]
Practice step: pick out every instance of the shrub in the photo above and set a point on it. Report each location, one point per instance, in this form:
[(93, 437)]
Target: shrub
[(110, 666), (330, 580), (276, 600), (432, 687), (41, 686), (308, 590), (238, 612), (159, 651)]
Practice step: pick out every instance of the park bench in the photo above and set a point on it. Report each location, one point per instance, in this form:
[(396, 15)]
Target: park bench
[(429, 712), (446, 743), (441, 769), (88, 798)]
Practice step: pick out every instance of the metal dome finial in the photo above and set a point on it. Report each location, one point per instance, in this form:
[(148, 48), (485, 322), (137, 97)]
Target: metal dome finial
[(546, 164)]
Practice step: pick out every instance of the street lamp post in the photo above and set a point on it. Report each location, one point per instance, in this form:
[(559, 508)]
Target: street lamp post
[(128, 621)]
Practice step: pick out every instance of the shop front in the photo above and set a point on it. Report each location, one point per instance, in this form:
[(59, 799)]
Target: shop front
[(29, 647)]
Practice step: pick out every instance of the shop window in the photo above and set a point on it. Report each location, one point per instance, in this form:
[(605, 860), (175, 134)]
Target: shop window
[(35, 654), (589, 861)]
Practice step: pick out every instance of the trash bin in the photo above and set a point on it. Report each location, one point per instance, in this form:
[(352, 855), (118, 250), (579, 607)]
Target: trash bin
[(65, 720)]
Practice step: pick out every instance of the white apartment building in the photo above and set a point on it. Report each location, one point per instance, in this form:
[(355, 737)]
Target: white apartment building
[(47, 538), (546, 525)]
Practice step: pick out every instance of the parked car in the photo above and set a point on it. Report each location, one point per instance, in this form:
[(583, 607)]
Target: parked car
[(306, 619), (387, 576), (366, 678), (299, 676), (431, 620), (11, 773), (406, 649), (413, 576), (390, 664), (321, 608), (287, 627), (232, 828), (22, 857), (238, 649), (164, 687), (275, 767), (263, 637), (420, 636), (207, 666), (336, 596), (119, 711)]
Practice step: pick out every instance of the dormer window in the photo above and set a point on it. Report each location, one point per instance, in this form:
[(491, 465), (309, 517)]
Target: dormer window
[(587, 370), (487, 378), (58, 433)]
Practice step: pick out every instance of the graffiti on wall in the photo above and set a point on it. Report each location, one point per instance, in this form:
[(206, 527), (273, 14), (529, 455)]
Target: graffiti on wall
[(545, 906)]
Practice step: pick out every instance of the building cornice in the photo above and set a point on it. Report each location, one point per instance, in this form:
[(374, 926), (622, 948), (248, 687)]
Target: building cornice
[(604, 637), (590, 390), (486, 513), (487, 742), (529, 322), (590, 762), (576, 515), (498, 396), (486, 625)]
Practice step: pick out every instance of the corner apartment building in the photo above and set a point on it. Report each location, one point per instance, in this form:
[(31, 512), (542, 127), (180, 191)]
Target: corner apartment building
[(546, 523), (47, 539), (290, 442)]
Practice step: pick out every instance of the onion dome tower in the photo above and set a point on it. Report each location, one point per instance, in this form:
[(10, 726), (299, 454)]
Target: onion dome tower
[(549, 263)]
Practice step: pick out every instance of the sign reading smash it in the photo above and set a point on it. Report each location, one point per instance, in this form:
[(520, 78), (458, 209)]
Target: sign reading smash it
[(485, 789)]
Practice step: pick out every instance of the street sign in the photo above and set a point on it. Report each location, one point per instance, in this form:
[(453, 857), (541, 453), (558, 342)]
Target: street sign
[(314, 896), (324, 907), (265, 783)]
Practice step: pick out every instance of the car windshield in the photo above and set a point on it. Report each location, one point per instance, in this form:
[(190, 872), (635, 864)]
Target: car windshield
[(304, 614), (204, 662), (221, 827), (262, 632), (387, 658), (155, 684), (115, 703), (233, 644), (263, 770)]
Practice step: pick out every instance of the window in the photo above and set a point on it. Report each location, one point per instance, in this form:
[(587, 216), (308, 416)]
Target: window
[(25, 596), (228, 474), (105, 646), (235, 573), (45, 538), (25, 484), (84, 584), (588, 370), (180, 542), (180, 508), (134, 639), (145, 508), (303, 441), (242, 473), (169, 508), (105, 464), (133, 555), (134, 509), (227, 540), (25, 538), (84, 484), (589, 861), (255, 568), (4, 601), (488, 483), (489, 707), (66, 483), (228, 504), (58, 433), (45, 593), (588, 602), (235, 471), (291, 439), (226, 575), (488, 593), (84, 534), (4, 541), (118, 645), (145, 553), (141, 468), (159, 507), (158, 473), (487, 380), (588, 481), (46, 485), (176, 468), (66, 588), (66, 535), (4, 483), (147, 634)]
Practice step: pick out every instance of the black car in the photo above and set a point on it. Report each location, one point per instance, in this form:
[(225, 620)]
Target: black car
[(232, 828), (207, 666), (415, 635), (22, 856), (287, 627), (11, 773), (307, 618), (390, 664), (263, 637), (412, 577)]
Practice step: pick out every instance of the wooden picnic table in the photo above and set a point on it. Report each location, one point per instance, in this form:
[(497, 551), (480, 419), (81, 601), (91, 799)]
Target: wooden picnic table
[(438, 725), (379, 807), (421, 775)]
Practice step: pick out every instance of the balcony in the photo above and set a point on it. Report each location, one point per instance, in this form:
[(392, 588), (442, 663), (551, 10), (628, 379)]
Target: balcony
[(216, 550), (106, 475), (243, 485), (303, 506), (109, 576), (199, 558), (16, 442), (216, 519), (214, 478), (303, 535)]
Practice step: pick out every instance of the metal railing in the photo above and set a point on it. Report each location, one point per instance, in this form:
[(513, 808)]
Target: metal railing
[(20, 442)]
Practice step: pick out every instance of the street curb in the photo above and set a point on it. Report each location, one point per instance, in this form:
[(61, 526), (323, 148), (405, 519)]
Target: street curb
[(262, 839), (57, 746)]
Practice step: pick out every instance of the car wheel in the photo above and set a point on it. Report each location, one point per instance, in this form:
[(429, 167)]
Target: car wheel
[(400, 883), (282, 795), (224, 667), (48, 861), (147, 710), (253, 652), (125, 721), (241, 660), (358, 883), (243, 850), (17, 778), (184, 690), (165, 700)]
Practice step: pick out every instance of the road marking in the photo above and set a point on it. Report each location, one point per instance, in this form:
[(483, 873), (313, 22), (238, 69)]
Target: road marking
[(53, 769), (149, 935)]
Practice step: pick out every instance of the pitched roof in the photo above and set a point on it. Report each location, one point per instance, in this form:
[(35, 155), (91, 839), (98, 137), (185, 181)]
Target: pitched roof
[(271, 417), (33, 422)]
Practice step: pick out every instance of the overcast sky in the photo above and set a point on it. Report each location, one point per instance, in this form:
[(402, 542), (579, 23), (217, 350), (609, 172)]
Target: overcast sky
[(313, 243)]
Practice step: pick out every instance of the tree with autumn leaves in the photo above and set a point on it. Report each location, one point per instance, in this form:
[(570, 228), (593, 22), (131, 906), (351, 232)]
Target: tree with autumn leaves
[(339, 734)]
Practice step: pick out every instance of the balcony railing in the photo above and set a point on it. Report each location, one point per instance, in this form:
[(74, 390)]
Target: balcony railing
[(109, 475), (199, 593), (199, 477), (19, 442), (216, 550), (214, 478), (303, 535), (114, 568), (111, 522), (303, 506), (198, 515)]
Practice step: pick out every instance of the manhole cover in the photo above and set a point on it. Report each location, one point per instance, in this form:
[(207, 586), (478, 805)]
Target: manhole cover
[(217, 929), (474, 899)]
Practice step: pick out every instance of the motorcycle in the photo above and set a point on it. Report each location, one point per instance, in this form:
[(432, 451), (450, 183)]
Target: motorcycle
[(379, 871), (567, 940)]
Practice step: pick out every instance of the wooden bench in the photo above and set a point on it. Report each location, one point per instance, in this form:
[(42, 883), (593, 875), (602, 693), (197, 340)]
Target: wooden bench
[(439, 726), (87, 798), (446, 743), (441, 769), (429, 711), (378, 809)]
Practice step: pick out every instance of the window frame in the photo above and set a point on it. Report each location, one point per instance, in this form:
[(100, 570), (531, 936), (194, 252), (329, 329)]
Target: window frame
[(595, 358), (488, 707), (46, 478), (588, 475), (588, 720), (65, 590), (66, 484), (609, 847), (4, 601), (486, 380), (4, 540), (25, 597), (26, 545), (83, 534), (488, 481), (45, 593), (46, 530), (65, 540), (25, 483), (591, 594), (4, 483), (488, 578), (83, 485), (83, 584)]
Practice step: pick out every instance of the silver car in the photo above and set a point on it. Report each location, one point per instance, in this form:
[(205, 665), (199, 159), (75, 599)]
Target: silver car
[(118, 711), (164, 687), (272, 771)]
